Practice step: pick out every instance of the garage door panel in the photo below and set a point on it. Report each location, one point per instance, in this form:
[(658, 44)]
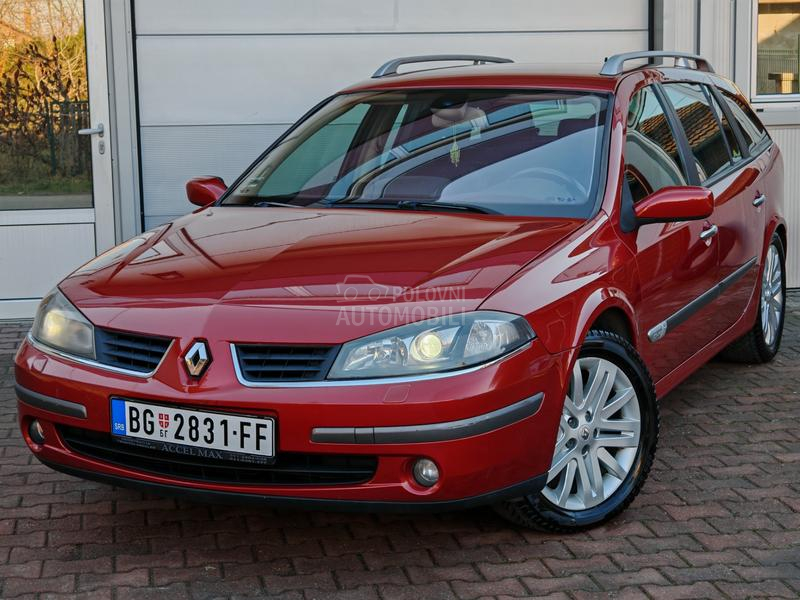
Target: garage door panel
[(273, 79), (173, 155), (400, 16), (521, 15), (262, 16)]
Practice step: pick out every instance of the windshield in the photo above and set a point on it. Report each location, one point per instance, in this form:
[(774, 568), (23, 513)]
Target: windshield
[(533, 153)]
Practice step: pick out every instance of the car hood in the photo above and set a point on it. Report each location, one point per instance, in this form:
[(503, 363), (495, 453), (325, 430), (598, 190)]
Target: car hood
[(290, 273)]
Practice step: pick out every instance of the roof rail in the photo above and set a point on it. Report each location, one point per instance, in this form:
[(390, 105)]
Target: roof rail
[(390, 68), (614, 65)]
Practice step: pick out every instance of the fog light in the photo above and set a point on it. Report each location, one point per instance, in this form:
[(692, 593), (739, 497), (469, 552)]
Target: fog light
[(36, 431), (426, 472)]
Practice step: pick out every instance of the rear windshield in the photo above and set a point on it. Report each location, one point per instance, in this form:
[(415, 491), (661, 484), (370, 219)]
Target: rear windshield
[(533, 153)]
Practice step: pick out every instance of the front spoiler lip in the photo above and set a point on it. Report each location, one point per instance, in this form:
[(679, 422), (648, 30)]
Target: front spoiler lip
[(525, 488)]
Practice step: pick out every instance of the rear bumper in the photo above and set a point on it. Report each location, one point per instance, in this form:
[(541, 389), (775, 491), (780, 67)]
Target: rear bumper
[(490, 432)]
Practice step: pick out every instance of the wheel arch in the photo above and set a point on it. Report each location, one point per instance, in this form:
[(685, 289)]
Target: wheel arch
[(608, 309), (615, 320), (780, 229)]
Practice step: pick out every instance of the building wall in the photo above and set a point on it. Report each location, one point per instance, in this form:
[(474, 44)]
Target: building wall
[(218, 81)]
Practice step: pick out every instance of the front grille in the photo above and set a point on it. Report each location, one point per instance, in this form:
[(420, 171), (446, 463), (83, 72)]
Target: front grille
[(266, 362), (131, 351), (289, 468)]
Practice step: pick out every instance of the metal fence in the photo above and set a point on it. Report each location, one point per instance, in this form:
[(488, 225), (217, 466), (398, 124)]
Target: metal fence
[(70, 153)]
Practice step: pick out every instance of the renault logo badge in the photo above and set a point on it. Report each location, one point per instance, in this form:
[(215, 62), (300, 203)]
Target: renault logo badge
[(197, 359)]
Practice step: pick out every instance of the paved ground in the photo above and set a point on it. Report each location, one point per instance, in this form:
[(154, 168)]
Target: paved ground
[(719, 518)]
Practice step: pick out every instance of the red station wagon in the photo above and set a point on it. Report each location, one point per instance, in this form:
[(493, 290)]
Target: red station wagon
[(440, 289)]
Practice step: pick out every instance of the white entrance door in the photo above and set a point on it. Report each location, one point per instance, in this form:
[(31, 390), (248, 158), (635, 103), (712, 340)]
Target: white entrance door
[(56, 199)]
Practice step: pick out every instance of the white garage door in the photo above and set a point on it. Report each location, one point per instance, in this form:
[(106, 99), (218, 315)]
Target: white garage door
[(218, 81)]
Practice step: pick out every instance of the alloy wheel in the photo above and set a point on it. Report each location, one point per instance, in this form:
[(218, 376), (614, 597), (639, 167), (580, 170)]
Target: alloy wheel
[(771, 296), (598, 436)]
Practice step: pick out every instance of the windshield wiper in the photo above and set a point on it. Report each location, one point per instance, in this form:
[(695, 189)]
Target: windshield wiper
[(273, 203), (414, 205)]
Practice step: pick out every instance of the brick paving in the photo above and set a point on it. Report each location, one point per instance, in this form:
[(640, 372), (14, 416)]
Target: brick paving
[(718, 518)]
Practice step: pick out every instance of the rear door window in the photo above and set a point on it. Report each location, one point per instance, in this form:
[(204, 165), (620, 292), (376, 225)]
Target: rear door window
[(651, 151), (706, 139)]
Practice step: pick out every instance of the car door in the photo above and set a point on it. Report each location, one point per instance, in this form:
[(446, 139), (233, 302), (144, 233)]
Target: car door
[(720, 165), (746, 209), (677, 262)]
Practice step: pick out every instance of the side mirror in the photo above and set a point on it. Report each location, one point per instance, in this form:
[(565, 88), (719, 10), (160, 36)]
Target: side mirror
[(203, 191), (674, 204)]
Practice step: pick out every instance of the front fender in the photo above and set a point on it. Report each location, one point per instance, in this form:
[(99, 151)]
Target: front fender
[(562, 293)]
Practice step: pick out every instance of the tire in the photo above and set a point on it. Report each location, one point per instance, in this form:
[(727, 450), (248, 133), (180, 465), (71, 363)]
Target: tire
[(557, 509), (762, 342)]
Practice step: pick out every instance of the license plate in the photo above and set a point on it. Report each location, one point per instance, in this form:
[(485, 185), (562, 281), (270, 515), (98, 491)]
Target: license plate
[(193, 432)]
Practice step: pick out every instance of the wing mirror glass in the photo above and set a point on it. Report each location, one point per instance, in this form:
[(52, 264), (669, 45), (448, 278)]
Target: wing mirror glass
[(203, 191), (674, 204)]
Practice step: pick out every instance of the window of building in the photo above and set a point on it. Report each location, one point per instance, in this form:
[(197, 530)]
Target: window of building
[(706, 140), (778, 47), (651, 151)]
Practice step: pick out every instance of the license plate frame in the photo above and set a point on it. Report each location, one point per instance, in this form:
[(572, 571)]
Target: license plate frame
[(199, 448)]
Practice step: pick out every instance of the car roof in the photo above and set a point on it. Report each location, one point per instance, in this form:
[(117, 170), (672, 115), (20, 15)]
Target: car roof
[(505, 75), (586, 77)]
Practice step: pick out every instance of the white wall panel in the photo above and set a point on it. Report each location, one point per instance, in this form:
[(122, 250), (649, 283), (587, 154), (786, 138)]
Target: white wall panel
[(716, 34), (274, 79), (26, 256), (788, 140), (679, 31), (155, 17), (173, 155)]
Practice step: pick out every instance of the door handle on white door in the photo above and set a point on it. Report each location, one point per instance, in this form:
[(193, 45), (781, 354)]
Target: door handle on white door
[(759, 200), (707, 234), (99, 130)]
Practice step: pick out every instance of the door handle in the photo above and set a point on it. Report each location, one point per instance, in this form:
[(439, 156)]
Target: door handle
[(709, 233), (99, 130), (759, 200)]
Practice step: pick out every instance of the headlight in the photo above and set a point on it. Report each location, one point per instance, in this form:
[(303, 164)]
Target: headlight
[(60, 325), (441, 344)]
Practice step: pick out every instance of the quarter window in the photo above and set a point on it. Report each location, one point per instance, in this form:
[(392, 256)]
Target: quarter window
[(706, 140), (752, 129), (651, 152)]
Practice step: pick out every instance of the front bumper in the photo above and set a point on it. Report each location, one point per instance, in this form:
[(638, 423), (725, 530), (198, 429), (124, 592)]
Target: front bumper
[(491, 431)]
